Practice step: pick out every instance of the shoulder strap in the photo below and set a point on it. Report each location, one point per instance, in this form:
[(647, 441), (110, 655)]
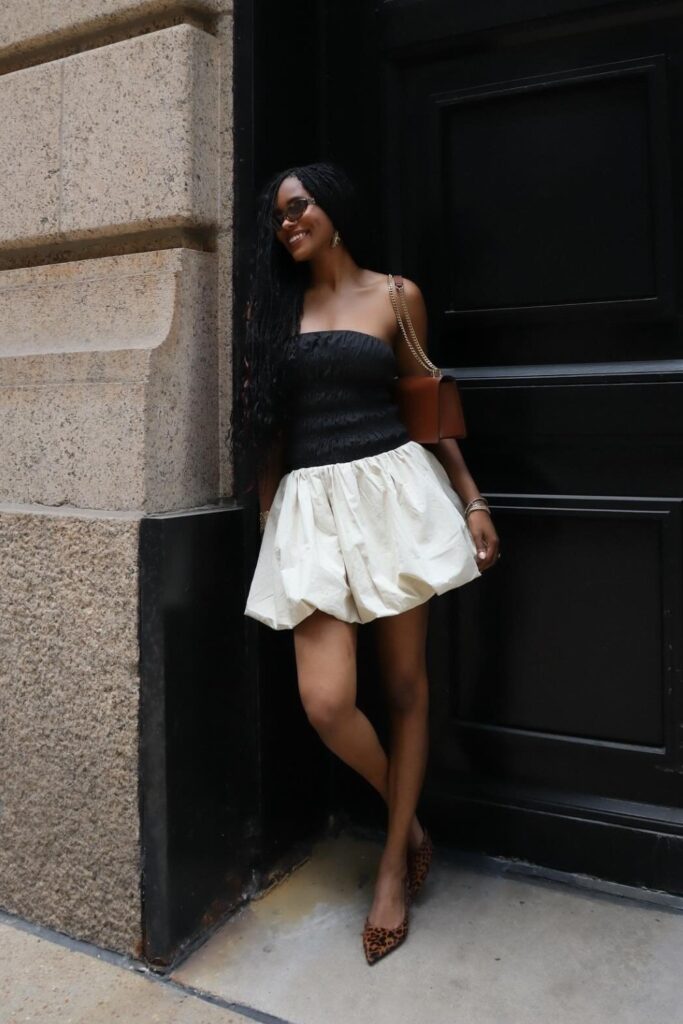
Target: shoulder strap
[(395, 282)]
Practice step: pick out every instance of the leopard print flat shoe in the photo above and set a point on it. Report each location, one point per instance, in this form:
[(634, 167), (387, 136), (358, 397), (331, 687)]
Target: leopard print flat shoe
[(418, 864), (378, 941)]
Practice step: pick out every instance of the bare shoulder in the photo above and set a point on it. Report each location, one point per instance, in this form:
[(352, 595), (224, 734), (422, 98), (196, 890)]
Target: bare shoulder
[(377, 285), (416, 307), (413, 292), (373, 279), (376, 279), (417, 311)]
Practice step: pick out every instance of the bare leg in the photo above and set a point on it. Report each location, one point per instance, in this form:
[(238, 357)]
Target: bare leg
[(325, 649), (401, 643)]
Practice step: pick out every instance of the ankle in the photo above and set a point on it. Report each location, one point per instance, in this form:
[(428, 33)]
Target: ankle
[(392, 866), (416, 831)]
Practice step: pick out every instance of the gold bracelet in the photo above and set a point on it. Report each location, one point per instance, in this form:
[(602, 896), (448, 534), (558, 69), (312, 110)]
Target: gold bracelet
[(477, 503)]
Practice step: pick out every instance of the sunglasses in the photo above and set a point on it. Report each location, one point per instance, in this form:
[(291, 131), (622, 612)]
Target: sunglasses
[(293, 211)]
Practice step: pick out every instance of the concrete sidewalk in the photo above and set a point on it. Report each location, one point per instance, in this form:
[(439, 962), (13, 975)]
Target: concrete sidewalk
[(489, 943), (48, 979)]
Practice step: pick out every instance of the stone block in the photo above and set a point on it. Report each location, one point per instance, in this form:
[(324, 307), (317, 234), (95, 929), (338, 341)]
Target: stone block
[(30, 153), (69, 696), (27, 25), (140, 134), (118, 139), (109, 382)]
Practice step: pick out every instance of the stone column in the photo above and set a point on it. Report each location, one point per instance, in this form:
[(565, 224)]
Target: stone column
[(115, 309)]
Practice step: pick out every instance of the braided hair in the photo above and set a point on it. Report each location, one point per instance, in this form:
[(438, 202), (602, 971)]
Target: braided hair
[(274, 310)]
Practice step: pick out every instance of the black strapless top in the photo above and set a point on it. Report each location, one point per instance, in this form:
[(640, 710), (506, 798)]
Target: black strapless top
[(339, 397)]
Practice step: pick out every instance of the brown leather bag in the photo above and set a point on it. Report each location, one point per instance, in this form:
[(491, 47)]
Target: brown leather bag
[(429, 406)]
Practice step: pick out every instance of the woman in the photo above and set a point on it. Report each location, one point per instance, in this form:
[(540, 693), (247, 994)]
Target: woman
[(359, 522)]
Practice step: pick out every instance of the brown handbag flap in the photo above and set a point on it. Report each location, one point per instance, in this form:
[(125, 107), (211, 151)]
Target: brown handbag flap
[(418, 404)]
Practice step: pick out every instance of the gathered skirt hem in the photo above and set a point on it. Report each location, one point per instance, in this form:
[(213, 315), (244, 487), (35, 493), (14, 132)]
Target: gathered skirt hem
[(360, 540)]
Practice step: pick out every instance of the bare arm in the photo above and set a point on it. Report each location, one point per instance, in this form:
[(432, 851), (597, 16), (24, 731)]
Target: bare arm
[(447, 450)]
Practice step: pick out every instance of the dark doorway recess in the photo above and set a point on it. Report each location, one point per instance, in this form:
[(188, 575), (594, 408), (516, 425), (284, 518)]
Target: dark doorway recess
[(232, 787), (525, 169)]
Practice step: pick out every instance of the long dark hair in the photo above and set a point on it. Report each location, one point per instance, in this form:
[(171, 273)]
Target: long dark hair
[(274, 310)]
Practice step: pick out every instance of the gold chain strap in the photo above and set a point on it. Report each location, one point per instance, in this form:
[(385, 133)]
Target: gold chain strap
[(413, 345)]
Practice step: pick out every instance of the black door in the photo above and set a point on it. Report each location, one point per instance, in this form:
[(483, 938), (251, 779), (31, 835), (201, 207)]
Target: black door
[(523, 164)]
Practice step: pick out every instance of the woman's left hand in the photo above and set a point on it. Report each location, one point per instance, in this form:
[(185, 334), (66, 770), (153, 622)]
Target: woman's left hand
[(485, 537)]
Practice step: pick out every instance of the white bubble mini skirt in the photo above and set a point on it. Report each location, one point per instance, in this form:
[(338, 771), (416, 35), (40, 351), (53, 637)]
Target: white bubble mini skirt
[(361, 539)]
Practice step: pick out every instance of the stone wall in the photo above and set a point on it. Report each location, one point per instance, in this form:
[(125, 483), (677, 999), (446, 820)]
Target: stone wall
[(115, 308)]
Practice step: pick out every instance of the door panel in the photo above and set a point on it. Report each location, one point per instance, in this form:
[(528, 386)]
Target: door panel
[(529, 181)]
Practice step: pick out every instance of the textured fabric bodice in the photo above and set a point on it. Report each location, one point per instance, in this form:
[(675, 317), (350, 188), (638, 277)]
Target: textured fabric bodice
[(340, 403)]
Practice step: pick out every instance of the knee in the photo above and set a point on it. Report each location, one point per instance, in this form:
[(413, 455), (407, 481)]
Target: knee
[(408, 693), (325, 713)]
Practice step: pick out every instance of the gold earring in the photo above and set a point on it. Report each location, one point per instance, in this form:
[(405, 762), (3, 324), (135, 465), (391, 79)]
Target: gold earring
[(336, 239)]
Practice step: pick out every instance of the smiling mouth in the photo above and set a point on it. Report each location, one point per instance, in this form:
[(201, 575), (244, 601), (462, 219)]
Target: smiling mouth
[(299, 234)]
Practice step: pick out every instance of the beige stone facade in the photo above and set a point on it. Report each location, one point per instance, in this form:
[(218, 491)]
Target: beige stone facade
[(115, 311)]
